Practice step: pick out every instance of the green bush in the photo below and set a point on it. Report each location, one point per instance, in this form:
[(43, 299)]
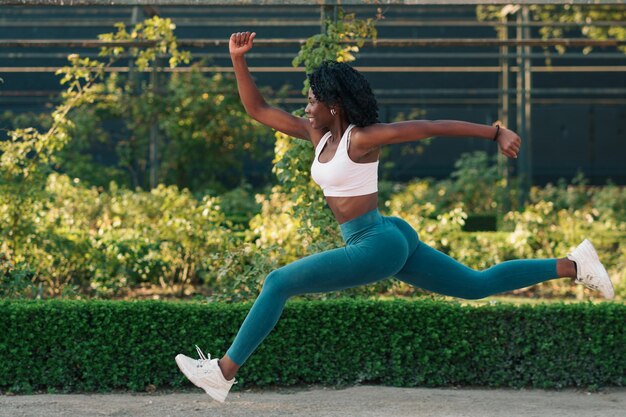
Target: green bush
[(475, 182), (104, 345), (556, 220), (104, 243), (606, 204), (77, 241), (239, 205), (16, 280)]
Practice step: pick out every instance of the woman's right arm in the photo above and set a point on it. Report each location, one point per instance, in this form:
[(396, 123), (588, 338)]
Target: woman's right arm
[(253, 101)]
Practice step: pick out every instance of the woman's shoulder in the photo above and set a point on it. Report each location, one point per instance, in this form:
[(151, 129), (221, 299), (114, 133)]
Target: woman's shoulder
[(369, 131)]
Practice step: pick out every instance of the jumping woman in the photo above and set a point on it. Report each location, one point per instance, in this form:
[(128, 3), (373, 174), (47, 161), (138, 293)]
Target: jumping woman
[(342, 124)]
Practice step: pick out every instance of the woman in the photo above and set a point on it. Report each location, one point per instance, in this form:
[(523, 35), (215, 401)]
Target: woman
[(341, 122)]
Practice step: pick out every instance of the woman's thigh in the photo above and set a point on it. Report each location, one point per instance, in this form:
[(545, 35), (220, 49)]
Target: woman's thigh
[(435, 271)]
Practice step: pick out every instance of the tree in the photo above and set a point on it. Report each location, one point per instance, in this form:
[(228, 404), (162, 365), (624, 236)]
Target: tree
[(108, 123)]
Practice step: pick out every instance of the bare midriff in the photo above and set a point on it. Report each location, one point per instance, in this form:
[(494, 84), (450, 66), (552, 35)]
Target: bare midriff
[(348, 208)]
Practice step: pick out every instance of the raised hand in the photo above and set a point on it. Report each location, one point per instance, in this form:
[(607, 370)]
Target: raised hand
[(509, 142), (240, 43)]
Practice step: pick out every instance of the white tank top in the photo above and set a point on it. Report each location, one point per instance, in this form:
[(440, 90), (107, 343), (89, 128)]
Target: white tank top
[(341, 176)]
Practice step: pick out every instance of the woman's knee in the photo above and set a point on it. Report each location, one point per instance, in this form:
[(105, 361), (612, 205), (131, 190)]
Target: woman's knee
[(274, 281), (477, 286), (277, 282)]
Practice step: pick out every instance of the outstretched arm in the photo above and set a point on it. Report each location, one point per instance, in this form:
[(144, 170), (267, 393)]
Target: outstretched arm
[(387, 133), (253, 101)]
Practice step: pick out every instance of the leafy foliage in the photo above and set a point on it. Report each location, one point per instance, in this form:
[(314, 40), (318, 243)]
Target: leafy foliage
[(340, 342), (61, 236), (582, 14), (26, 156), (104, 243), (103, 129), (208, 133), (340, 42), (475, 185), (157, 31)]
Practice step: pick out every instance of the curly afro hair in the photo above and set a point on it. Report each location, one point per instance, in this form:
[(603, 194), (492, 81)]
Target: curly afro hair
[(338, 83)]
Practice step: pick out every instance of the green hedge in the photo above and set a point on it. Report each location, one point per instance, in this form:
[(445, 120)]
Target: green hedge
[(103, 345)]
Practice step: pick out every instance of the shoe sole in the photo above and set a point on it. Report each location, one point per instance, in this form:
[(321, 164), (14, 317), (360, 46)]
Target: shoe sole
[(198, 383)]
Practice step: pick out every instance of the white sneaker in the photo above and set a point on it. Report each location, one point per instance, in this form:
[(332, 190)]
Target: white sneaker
[(206, 374), (589, 270)]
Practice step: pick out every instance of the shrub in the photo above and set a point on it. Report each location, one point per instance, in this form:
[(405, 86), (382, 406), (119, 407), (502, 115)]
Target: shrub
[(107, 242), (16, 280), (103, 345)]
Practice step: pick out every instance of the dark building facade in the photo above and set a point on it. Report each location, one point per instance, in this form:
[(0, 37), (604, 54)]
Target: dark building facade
[(574, 105)]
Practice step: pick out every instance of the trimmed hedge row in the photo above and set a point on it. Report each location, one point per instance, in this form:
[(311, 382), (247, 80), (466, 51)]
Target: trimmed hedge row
[(103, 345)]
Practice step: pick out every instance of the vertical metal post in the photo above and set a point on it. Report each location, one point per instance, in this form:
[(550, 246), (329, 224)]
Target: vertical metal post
[(326, 12), (523, 107), (136, 16), (135, 78), (154, 129), (153, 150), (504, 205)]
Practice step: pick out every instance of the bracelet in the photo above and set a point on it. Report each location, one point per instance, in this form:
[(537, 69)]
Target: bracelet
[(497, 131)]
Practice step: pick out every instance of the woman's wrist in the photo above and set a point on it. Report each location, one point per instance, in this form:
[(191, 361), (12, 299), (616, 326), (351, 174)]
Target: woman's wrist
[(237, 57), (496, 134)]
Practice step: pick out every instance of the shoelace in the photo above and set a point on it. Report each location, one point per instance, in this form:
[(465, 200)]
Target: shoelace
[(203, 359)]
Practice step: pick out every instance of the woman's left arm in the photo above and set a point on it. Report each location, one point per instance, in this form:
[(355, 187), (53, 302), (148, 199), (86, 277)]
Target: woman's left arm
[(388, 133)]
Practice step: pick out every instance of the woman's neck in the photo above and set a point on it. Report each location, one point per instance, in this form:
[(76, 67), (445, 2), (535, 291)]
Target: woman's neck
[(337, 129)]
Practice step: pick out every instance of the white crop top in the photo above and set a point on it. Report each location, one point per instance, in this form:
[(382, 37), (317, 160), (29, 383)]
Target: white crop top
[(341, 176)]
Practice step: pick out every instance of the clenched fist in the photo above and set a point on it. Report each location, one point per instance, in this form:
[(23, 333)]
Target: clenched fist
[(240, 43)]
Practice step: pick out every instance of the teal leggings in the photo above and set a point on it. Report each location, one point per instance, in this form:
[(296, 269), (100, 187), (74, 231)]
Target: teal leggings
[(378, 247)]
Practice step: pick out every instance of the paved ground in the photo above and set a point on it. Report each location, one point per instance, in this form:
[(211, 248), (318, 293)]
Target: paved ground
[(363, 401)]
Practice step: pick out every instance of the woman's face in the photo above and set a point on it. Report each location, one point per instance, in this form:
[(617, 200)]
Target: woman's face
[(318, 113)]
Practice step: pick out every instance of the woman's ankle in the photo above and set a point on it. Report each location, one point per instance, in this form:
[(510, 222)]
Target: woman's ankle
[(228, 367), (566, 268)]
